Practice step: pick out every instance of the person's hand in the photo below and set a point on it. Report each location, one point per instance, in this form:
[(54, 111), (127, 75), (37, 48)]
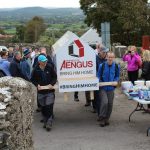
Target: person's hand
[(126, 52), (114, 83), (50, 87), (39, 87)]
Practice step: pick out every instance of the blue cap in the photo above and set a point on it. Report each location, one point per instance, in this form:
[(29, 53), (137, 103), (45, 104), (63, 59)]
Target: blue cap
[(26, 52), (42, 58)]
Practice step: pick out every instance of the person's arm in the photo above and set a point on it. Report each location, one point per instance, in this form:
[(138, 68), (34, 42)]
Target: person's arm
[(13, 69), (53, 75), (138, 59), (25, 70), (34, 78), (125, 57)]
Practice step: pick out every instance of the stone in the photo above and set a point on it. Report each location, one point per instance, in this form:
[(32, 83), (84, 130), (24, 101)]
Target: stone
[(17, 98)]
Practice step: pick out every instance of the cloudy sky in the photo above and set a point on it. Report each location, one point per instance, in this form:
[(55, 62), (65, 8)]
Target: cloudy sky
[(42, 3)]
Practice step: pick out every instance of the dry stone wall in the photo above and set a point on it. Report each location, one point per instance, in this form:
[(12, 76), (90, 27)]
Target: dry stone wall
[(17, 98)]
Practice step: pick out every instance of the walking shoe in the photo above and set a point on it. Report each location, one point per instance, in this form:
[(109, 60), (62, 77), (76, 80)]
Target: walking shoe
[(44, 126), (48, 126), (102, 124), (106, 122), (87, 104), (38, 109), (42, 120), (93, 111), (76, 99)]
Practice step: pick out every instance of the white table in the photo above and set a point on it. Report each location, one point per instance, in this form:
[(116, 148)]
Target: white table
[(139, 107)]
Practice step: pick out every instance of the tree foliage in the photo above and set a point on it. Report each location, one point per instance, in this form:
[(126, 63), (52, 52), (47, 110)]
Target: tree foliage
[(34, 29), (20, 31), (126, 17)]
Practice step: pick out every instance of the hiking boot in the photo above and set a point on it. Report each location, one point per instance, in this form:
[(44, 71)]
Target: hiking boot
[(48, 126)]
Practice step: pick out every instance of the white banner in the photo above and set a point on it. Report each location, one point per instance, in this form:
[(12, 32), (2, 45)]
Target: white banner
[(76, 66)]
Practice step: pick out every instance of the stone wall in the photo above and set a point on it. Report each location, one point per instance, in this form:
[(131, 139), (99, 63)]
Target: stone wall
[(16, 113)]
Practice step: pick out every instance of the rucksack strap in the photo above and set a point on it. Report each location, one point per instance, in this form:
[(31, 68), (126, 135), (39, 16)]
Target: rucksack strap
[(102, 70)]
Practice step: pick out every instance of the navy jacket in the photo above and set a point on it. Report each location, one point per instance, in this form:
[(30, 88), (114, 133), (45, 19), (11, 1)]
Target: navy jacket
[(44, 77), (15, 69), (99, 61), (25, 69)]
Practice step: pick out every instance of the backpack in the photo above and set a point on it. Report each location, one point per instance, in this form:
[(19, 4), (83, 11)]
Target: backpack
[(103, 67)]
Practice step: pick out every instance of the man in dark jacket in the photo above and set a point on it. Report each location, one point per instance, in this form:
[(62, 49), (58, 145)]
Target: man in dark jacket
[(100, 58), (43, 75), (25, 64), (15, 65)]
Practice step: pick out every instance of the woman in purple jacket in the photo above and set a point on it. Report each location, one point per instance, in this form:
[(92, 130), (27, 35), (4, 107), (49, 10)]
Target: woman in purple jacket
[(133, 60)]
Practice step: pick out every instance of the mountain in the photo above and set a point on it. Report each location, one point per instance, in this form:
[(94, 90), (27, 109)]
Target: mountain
[(51, 15)]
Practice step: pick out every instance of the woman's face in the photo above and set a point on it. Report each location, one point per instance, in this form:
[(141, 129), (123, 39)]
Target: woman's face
[(133, 48)]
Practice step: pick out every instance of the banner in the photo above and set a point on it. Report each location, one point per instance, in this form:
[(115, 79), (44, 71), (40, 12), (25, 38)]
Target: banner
[(76, 66)]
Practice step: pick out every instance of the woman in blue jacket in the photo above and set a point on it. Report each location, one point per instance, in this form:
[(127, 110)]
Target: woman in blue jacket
[(107, 72), (4, 63)]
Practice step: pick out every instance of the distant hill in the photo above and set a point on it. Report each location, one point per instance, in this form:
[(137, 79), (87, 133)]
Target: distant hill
[(51, 15)]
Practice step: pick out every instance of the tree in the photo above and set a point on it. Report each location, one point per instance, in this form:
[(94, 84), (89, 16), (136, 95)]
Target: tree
[(34, 29), (126, 17), (20, 33), (133, 16)]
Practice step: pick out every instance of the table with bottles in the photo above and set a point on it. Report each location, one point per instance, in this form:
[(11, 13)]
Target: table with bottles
[(139, 93)]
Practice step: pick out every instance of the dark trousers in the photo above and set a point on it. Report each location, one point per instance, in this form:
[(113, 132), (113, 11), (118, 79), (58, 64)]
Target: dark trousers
[(76, 95), (133, 75), (87, 96), (38, 104), (97, 101), (47, 112), (89, 100)]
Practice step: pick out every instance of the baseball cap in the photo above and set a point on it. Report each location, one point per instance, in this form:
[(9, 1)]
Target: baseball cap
[(42, 58)]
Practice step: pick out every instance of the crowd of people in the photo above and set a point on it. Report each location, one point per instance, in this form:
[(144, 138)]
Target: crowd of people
[(37, 67)]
